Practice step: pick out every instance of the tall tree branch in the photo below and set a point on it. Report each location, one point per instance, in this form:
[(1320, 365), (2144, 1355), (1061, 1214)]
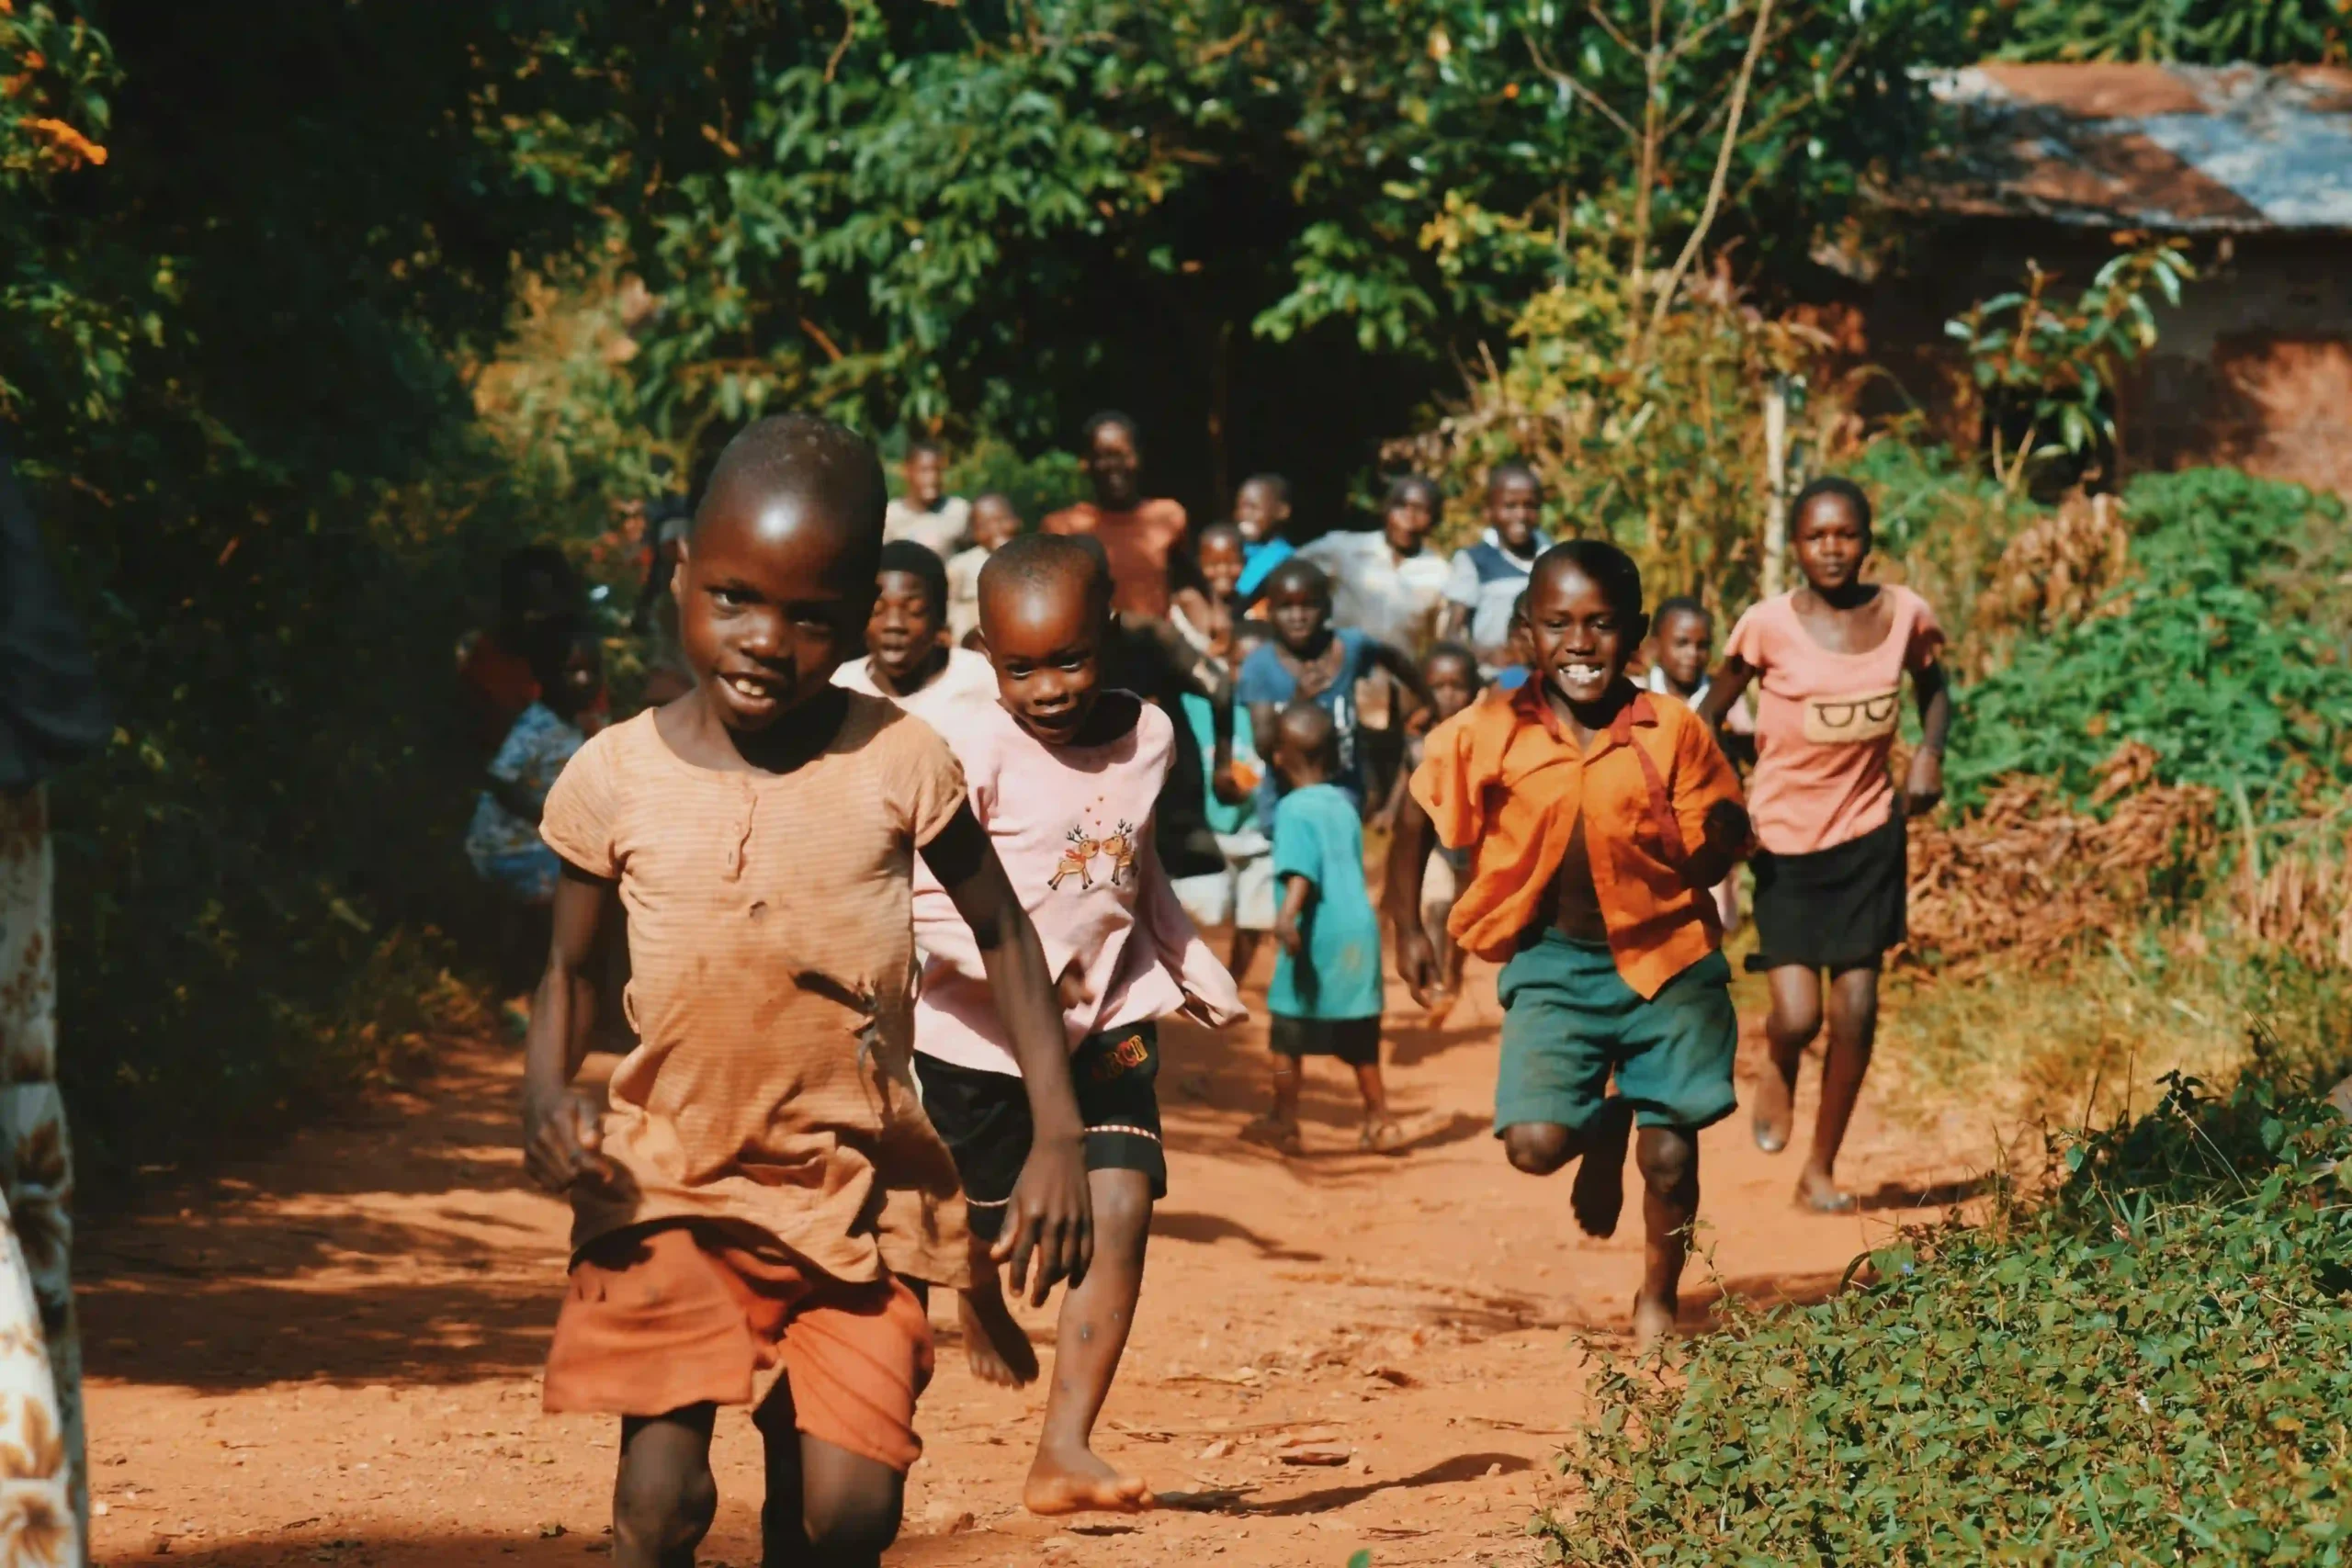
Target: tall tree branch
[(1723, 170)]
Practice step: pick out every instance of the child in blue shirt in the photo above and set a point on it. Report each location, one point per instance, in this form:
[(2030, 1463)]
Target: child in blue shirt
[(1309, 661), (1262, 516), (1326, 996), (502, 840)]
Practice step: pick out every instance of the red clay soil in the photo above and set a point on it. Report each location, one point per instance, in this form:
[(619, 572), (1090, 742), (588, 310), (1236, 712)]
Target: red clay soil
[(332, 1354)]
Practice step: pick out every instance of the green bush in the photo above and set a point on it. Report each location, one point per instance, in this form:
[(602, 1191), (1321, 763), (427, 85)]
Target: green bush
[(2221, 652), (2148, 1367)]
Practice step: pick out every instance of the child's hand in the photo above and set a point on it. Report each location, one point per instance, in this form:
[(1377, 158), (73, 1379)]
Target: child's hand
[(1052, 1214), (562, 1145), (1228, 788), (1925, 788), (1417, 963), (1726, 829), (1292, 940), (1070, 989)]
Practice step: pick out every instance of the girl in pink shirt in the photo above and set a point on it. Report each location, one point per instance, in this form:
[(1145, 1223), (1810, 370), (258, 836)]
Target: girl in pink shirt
[(1065, 777), (1829, 661)]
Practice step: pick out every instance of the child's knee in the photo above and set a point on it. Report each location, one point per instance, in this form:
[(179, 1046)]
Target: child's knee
[(663, 1505), (1123, 1215), (1667, 1158), (855, 1521), (1538, 1148)]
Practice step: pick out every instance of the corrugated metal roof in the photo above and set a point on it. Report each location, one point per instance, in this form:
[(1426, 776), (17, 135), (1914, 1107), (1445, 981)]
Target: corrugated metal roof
[(2166, 147)]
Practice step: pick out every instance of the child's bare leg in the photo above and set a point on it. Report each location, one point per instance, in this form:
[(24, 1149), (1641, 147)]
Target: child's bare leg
[(826, 1506), (1794, 1019), (1668, 1158), (1540, 1148), (1245, 954), (1288, 1072), (1382, 1134), (664, 1497), (996, 1345), (1853, 1033), (1097, 1313)]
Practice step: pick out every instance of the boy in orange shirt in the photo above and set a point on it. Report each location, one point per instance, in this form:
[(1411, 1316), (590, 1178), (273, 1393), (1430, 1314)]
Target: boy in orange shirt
[(765, 1180), (1601, 817)]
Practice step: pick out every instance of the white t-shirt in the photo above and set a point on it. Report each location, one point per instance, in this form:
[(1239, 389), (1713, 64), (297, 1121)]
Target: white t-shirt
[(969, 678), (1487, 579), (939, 532), (1390, 601)]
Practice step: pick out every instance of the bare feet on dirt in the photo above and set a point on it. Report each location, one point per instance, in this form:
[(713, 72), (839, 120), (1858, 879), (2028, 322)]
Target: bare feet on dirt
[(1387, 1136), (1081, 1483), (1269, 1131), (1818, 1194), (998, 1351), (1775, 1108), (1653, 1320)]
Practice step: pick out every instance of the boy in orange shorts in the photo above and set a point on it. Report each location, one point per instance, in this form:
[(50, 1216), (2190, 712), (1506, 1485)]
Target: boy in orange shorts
[(764, 1180)]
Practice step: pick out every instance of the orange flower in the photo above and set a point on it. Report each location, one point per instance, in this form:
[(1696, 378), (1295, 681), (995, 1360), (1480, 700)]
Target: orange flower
[(68, 139)]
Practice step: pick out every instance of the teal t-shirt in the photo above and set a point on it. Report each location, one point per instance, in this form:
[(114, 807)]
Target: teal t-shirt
[(1222, 818), (1319, 836)]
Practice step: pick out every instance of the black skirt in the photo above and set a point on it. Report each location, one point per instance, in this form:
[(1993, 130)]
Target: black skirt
[(1841, 907)]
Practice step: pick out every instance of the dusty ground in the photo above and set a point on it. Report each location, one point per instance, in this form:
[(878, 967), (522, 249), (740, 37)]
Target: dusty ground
[(331, 1355)]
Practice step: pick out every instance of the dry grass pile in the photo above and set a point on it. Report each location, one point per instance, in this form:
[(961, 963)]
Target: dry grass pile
[(2027, 878)]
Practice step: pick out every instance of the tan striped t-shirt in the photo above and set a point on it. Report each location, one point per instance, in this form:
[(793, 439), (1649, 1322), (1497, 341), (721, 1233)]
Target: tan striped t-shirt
[(771, 954)]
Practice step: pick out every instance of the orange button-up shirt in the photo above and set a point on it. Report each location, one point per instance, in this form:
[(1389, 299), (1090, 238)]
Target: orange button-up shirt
[(1506, 778)]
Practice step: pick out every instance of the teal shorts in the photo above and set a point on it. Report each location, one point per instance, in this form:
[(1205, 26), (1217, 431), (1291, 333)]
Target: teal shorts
[(1569, 1021)]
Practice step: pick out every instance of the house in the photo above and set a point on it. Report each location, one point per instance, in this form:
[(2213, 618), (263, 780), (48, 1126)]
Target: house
[(2049, 163)]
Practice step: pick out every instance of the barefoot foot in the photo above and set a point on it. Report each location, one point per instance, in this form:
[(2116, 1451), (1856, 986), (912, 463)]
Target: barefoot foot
[(1273, 1132), (1079, 1482), (1775, 1108), (1598, 1195), (1652, 1320), (1817, 1194), (996, 1347)]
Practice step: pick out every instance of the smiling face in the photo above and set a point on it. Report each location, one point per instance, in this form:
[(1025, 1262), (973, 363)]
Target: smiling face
[(1514, 501), (1114, 467), (1299, 606), (905, 630), (1046, 638), (1579, 640), (926, 475), (1259, 512), (1219, 557), (771, 593), (1407, 520), (1686, 641), (1831, 542)]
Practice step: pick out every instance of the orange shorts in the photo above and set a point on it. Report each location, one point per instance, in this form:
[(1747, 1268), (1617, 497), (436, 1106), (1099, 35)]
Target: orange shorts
[(681, 1313)]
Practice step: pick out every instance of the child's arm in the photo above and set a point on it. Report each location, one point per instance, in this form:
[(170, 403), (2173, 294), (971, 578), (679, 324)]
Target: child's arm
[(1299, 899), (1724, 688), (1925, 787), (1707, 808), (1050, 1210), (1400, 665), (511, 795), (1263, 717), (560, 1135), (1408, 859)]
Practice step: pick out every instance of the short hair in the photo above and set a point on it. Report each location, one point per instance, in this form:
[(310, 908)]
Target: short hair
[(1048, 560), (550, 654), (1460, 655), (1309, 726), (1680, 605), (1404, 485), (1102, 419), (1222, 530), (930, 443), (1297, 572), (1510, 468), (815, 458), (1610, 569), (1000, 498), (1275, 483), (920, 562), (1837, 485)]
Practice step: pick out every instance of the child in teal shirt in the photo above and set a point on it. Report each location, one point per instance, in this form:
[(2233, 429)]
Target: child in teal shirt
[(1326, 996)]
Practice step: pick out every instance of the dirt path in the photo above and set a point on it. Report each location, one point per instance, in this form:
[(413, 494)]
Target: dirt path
[(332, 1355)]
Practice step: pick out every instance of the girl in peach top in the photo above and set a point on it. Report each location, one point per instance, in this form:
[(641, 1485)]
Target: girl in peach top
[(1830, 659)]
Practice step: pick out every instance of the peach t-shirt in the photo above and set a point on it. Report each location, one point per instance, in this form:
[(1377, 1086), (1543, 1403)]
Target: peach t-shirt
[(1138, 543), (771, 964), (1072, 824), (1826, 721)]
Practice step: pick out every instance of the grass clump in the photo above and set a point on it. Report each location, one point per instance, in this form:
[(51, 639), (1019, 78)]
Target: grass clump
[(2148, 1366)]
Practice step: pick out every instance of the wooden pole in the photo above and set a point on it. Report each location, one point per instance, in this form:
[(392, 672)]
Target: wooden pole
[(1776, 484)]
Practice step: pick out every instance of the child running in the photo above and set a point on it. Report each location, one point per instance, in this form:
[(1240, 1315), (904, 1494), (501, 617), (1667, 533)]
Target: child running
[(909, 659), (1684, 632), (764, 1181), (1830, 877), (1598, 817), (1451, 673), (994, 522), (1065, 777), (1310, 662), (1325, 1000)]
